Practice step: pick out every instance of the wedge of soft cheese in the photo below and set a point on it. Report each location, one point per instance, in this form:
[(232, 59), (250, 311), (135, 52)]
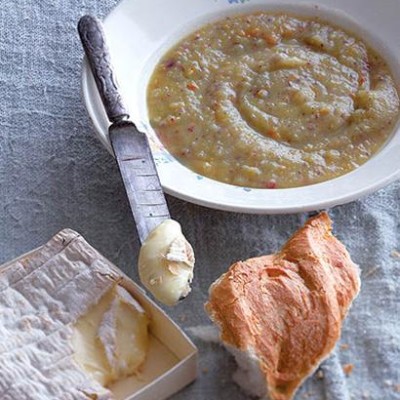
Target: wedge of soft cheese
[(166, 263), (67, 325), (111, 340)]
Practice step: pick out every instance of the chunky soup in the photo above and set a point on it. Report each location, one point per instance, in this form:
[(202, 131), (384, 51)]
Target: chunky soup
[(272, 101)]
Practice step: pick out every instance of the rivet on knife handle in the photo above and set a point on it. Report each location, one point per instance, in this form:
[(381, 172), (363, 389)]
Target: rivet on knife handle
[(93, 40)]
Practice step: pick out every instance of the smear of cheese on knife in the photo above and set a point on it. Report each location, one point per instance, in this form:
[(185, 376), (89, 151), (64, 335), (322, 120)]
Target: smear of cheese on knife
[(42, 298), (166, 262)]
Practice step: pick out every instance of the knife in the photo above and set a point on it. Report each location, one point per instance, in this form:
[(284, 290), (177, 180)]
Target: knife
[(131, 147)]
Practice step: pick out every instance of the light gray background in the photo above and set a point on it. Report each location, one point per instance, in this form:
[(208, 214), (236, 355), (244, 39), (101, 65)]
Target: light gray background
[(55, 174)]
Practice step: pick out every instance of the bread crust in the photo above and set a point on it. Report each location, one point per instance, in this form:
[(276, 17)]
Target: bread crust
[(288, 307)]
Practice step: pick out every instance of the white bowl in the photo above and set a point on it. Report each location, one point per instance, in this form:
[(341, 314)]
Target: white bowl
[(140, 31)]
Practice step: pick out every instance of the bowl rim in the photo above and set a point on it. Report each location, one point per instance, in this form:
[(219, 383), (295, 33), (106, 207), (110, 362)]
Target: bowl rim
[(229, 203)]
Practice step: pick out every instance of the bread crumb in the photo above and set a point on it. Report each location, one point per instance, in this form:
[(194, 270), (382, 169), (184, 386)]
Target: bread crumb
[(206, 333), (182, 318), (394, 386), (320, 374), (344, 346), (348, 369), (371, 272), (395, 254), (365, 395), (205, 370)]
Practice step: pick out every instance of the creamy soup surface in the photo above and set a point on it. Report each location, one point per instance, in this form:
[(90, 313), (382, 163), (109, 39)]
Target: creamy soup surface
[(272, 101)]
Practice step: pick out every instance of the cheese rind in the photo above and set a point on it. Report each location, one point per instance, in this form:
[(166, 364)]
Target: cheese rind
[(42, 295)]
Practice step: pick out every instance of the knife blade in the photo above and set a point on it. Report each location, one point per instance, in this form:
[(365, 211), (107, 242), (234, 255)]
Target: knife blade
[(131, 147)]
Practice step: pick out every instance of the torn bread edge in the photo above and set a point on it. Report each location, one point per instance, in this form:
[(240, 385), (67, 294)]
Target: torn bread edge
[(251, 375)]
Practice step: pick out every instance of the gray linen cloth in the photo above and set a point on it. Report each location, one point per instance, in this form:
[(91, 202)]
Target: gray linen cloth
[(55, 174)]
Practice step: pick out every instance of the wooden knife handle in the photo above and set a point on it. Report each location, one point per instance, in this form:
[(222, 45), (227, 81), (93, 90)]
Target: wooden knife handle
[(94, 43)]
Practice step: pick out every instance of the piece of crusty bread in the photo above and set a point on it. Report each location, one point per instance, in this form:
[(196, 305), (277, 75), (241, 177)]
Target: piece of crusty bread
[(282, 314)]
